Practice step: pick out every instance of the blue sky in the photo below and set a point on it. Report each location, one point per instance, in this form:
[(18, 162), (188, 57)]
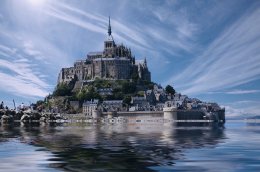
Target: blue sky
[(205, 49)]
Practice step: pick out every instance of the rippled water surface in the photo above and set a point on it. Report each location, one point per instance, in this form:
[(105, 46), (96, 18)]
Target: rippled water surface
[(130, 147)]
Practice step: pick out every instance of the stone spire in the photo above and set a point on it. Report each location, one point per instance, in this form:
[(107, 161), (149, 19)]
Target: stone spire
[(145, 62), (109, 27)]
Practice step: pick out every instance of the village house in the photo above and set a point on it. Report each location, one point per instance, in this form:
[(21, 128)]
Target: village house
[(89, 107)]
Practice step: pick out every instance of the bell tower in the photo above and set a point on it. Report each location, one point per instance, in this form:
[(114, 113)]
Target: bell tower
[(109, 44)]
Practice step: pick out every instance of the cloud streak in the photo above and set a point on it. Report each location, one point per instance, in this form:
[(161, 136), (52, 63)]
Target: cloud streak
[(235, 92), (244, 108), (22, 68), (19, 79), (242, 91), (183, 30), (97, 23), (231, 60), (31, 51), (143, 37), (124, 33)]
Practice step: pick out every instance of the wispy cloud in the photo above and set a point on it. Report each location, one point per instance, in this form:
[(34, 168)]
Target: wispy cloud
[(96, 23), (184, 30), (243, 108), (22, 68), (142, 37), (21, 60), (31, 51), (7, 49), (18, 78), (243, 91), (237, 91), (231, 60), (55, 12)]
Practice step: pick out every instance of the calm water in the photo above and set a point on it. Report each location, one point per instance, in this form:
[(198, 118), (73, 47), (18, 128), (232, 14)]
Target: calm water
[(135, 147)]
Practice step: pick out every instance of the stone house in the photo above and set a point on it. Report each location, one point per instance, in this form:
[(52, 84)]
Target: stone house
[(89, 106), (112, 105)]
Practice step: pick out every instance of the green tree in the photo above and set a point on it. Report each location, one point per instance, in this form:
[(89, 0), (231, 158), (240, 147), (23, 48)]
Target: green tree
[(127, 100), (140, 93), (128, 87), (81, 96), (169, 89), (39, 102), (116, 90), (62, 90), (88, 94), (118, 96)]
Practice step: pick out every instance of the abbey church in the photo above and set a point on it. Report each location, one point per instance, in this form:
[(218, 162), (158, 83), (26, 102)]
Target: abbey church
[(115, 62)]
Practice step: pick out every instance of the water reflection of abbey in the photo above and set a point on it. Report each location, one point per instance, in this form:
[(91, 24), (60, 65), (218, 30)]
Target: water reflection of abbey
[(113, 146), (113, 63)]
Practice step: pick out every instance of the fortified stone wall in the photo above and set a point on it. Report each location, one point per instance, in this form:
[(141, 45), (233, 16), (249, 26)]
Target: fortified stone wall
[(190, 115)]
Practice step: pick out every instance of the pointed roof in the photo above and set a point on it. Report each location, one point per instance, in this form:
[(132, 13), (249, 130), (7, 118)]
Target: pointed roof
[(109, 27), (109, 31)]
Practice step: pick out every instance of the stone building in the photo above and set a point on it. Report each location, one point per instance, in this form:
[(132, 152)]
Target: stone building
[(112, 105), (105, 91), (89, 107), (150, 97), (140, 103), (113, 63)]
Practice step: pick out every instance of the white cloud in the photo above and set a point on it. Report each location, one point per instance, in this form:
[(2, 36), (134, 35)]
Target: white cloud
[(23, 65), (31, 46), (3, 54), (183, 29), (231, 60), (19, 86), (242, 91), (98, 24), (123, 32), (232, 112), (8, 50), (54, 12), (21, 60), (245, 108), (145, 38), (235, 92), (31, 51), (169, 42), (18, 78)]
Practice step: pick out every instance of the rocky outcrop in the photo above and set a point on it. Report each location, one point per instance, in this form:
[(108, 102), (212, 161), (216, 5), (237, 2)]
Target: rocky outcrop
[(27, 116)]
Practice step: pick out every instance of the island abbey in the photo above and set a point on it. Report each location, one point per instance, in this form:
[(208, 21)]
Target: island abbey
[(115, 62)]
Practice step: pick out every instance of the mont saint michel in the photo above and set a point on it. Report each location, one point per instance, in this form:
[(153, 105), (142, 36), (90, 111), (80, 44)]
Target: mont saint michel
[(129, 86), (111, 86)]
